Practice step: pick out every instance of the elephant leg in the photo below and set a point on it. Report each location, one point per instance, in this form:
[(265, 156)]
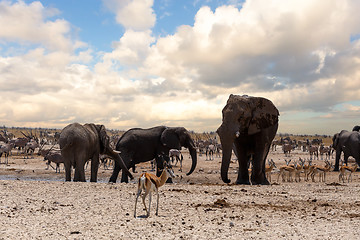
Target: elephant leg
[(67, 164), (243, 174), (67, 171), (258, 172), (76, 175), (79, 173), (180, 165), (117, 168), (94, 168), (115, 173), (134, 168), (337, 160)]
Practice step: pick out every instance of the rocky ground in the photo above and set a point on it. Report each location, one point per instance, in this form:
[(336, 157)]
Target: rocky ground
[(37, 204)]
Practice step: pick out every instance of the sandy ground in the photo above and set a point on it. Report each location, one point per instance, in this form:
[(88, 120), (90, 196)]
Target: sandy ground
[(37, 204)]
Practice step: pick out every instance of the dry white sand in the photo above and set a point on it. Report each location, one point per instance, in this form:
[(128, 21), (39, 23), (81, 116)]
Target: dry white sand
[(38, 204)]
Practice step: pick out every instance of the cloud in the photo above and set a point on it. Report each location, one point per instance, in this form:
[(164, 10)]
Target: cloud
[(267, 46), (300, 54), (137, 15), (27, 24)]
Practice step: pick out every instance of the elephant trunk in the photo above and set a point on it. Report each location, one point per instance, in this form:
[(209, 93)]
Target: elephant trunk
[(227, 139), (193, 155), (114, 155), (225, 162)]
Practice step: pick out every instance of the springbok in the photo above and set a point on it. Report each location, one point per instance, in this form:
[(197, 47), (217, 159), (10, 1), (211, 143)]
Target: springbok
[(149, 183), (345, 169), (307, 169), (298, 169), (286, 168), (268, 169), (321, 170)]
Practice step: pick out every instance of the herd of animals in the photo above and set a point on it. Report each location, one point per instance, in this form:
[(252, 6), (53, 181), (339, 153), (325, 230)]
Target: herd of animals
[(249, 126)]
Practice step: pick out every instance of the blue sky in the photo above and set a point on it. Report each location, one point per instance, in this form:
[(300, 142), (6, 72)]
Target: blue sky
[(142, 63), (94, 22)]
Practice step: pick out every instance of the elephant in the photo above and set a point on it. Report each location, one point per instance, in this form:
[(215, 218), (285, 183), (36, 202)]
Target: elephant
[(141, 145), (356, 128), (349, 143), (249, 125), (80, 143)]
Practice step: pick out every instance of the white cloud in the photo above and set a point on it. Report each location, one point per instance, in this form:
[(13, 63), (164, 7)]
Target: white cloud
[(297, 53), (132, 48), (24, 23), (137, 15)]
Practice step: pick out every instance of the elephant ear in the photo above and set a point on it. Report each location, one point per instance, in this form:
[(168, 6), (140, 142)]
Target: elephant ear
[(264, 115), (103, 137), (170, 139)]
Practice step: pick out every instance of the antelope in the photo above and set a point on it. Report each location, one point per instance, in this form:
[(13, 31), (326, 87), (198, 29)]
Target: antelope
[(345, 169), (19, 143), (287, 149), (298, 168), (313, 150), (55, 157), (321, 170), (269, 168), (106, 161), (307, 169), (30, 148), (174, 153), (149, 183), (210, 151), (6, 149), (274, 143), (287, 168), (324, 149)]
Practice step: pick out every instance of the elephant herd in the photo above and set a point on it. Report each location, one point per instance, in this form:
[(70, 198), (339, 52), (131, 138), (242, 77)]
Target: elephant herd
[(249, 124)]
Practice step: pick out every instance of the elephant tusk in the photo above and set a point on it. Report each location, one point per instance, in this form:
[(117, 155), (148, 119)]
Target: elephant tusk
[(237, 134), (117, 151)]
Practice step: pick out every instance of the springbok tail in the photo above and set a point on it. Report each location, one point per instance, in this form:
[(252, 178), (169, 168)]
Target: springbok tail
[(142, 182)]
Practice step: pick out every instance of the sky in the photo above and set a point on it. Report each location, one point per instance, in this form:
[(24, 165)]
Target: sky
[(144, 63)]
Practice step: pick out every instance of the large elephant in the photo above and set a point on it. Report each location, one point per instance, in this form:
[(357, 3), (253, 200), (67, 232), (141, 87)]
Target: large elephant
[(81, 143), (349, 143), (248, 126), (141, 145)]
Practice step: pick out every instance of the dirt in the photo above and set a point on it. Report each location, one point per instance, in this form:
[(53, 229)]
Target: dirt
[(36, 203)]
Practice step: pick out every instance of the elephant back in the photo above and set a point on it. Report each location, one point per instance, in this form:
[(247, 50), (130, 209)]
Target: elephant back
[(263, 113)]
